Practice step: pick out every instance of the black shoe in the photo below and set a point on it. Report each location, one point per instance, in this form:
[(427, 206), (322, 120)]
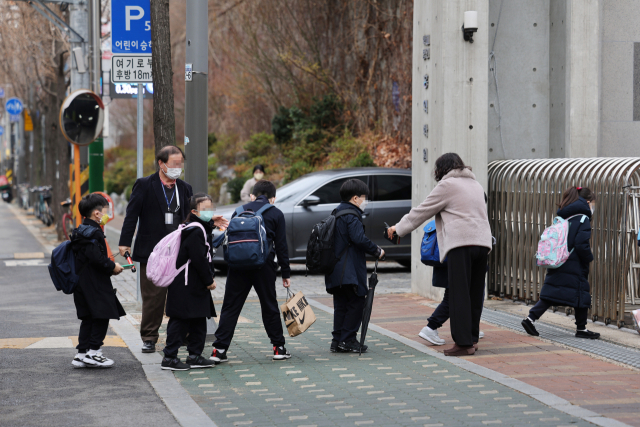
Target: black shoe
[(528, 326), (218, 357), (352, 346), (334, 346), (587, 334), (175, 364), (200, 362), (148, 347), (280, 353)]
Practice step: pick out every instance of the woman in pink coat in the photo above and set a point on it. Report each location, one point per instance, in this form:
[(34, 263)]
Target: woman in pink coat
[(464, 236)]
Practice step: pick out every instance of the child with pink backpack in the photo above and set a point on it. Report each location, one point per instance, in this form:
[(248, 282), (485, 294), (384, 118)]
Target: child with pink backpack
[(181, 261), (566, 253)]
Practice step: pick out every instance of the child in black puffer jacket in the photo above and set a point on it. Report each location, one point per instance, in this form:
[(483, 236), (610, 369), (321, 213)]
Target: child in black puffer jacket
[(568, 285)]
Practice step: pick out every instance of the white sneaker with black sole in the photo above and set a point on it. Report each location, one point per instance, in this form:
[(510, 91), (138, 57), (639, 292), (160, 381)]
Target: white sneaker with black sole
[(280, 353), (481, 335), (218, 357), (431, 335), (97, 361), (77, 362)]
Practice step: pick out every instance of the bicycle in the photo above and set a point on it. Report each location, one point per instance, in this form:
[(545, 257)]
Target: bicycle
[(68, 224), (46, 214)]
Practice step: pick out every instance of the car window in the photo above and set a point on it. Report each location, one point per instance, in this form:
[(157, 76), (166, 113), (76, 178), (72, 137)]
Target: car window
[(330, 193), (392, 187)]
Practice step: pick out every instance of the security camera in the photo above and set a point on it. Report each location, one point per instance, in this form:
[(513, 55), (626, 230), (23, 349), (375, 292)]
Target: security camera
[(470, 25)]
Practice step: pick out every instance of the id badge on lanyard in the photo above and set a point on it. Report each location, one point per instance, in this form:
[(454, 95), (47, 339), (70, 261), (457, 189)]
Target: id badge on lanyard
[(168, 216)]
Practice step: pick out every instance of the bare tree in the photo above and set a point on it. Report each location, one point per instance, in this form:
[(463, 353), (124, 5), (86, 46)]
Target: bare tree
[(164, 124)]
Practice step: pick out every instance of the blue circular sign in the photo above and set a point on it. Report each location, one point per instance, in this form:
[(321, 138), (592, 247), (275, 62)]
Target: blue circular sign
[(14, 106)]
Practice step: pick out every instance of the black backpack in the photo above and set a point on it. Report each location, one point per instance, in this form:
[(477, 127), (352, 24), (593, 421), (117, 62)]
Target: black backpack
[(321, 258)]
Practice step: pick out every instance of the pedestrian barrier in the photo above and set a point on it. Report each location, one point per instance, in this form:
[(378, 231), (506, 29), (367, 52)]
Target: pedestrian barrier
[(523, 198)]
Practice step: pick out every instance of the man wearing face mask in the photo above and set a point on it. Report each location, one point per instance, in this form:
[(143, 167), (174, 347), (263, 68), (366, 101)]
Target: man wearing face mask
[(258, 174), (158, 204)]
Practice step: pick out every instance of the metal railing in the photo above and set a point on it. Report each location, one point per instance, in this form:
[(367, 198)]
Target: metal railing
[(523, 198)]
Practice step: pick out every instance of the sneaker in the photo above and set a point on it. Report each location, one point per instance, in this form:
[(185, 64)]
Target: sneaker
[(334, 346), (587, 334), (352, 346), (200, 362), (77, 361), (481, 335), (97, 361), (528, 326), (431, 335), (169, 364), (218, 357), (280, 353)]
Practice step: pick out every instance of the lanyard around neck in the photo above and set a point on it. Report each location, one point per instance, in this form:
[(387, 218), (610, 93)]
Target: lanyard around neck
[(175, 193)]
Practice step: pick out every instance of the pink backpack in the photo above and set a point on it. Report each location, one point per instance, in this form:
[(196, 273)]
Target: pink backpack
[(552, 247), (161, 267)]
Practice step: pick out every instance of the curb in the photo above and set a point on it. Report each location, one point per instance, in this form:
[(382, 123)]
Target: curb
[(185, 410), (540, 395)]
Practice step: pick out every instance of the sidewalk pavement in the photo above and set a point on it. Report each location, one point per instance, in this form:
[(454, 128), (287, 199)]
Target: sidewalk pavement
[(392, 384), (610, 389)]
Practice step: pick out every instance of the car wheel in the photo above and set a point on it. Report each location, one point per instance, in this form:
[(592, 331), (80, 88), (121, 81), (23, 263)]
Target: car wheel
[(405, 263), (222, 268)]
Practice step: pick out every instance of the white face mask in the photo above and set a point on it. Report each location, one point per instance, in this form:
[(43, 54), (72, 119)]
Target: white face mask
[(593, 209), (173, 173), (364, 204)]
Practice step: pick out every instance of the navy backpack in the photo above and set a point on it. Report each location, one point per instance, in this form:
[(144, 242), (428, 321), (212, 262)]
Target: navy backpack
[(245, 243), (429, 252), (63, 268)]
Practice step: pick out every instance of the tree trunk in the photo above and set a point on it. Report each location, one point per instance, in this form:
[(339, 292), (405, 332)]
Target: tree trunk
[(164, 124), (57, 147)]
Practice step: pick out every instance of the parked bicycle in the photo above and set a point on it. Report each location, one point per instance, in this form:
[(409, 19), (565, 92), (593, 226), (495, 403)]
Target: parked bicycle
[(44, 206)]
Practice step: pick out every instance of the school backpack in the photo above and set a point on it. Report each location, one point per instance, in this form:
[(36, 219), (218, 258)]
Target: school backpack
[(552, 247), (161, 266), (63, 268), (429, 251), (245, 243), (321, 257)]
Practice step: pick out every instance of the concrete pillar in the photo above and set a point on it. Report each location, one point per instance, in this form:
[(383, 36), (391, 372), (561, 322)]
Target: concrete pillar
[(582, 126), (457, 97)]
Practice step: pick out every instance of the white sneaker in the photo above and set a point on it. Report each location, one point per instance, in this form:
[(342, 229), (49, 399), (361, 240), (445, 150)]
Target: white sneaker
[(431, 335), (481, 335), (97, 361), (77, 362)]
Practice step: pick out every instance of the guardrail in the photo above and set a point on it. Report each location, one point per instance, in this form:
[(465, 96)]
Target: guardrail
[(523, 198)]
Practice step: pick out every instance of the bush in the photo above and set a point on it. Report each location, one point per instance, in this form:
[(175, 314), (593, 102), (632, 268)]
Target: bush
[(234, 187)]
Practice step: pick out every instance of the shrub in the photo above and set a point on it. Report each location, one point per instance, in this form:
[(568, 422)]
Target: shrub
[(234, 187)]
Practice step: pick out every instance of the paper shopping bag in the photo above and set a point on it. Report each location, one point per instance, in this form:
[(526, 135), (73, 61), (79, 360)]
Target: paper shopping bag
[(297, 314)]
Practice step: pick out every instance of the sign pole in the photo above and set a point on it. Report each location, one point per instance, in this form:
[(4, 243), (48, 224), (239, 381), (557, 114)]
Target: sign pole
[(196, 95), (140, 153)]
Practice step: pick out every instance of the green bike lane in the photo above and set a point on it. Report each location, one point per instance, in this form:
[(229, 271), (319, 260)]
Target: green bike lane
[(392, 384)]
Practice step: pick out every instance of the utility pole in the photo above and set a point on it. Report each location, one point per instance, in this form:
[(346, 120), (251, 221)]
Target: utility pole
[(196, 105), (80, 78)]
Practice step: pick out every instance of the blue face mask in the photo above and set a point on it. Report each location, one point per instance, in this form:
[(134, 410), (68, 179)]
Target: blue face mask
[(206, 216)]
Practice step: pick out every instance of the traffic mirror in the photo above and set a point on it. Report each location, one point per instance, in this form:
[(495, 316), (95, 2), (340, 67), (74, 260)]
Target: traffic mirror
[(81, 117)]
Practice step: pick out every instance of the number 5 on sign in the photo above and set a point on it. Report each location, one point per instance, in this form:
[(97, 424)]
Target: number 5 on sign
[(188, 72)]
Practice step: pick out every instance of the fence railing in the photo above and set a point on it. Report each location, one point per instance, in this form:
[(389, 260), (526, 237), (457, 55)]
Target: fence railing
[(523, 198)]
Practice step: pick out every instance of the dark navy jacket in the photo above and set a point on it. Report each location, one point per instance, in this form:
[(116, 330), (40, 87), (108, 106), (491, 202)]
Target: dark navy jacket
[(351, 269), (193, 300), (276, 234), (148, 204), (94, 296), (569, 284)]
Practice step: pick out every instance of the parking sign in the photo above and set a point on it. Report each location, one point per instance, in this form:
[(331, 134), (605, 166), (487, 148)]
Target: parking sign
[(131, 27)]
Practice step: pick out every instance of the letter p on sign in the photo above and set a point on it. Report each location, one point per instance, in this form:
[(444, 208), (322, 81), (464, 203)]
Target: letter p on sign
[(129, 17)]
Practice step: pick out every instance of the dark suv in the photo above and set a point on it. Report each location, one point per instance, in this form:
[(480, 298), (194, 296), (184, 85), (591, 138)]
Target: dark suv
[(311, 198)]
